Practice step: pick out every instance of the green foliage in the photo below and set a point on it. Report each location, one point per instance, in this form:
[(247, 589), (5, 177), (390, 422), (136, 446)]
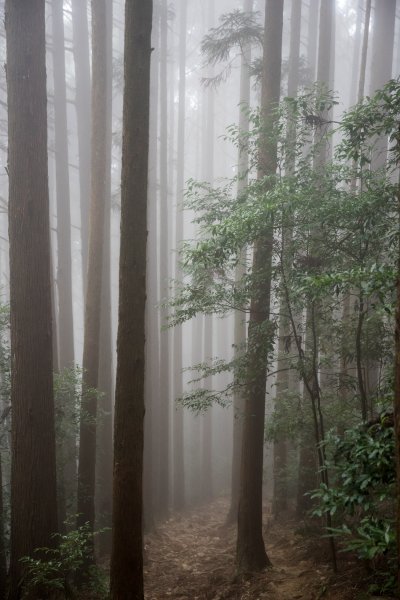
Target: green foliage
[(338, 217), (362, 496), (55, 569), (236, 30)]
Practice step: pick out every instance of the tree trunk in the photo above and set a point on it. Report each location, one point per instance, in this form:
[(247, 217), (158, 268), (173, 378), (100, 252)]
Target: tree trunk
[(397, 405), (251, 555), (83, 117), (179, 472), (64, 270), (3, 555), (91, 352), (67, 478), (240, 324), (283, 376), (33, 470), (164, 399), (105, 447), (152, 375), (127, 559)]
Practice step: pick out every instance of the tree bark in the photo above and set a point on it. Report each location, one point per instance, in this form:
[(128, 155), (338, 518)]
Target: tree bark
[(67, 479), (105, 447), (251, 554), (179, 472), (83, 116), (152, 375), (126, 558), (283, 380), (164, 399), (240, 324), (91, 352), (33, 470)]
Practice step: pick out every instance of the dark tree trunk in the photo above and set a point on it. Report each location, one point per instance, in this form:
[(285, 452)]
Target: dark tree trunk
[(152, 374), (3, 555), (33, 470), (397, 406), (127, 559), (83, 116), (240, 325), (91, 352), (251, 555)]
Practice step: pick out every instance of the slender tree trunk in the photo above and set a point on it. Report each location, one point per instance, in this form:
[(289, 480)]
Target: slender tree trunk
[(64, 270), (164, 407), (283, 376), (91, 351), (208, 175), (67, 479), (179, 472), (127, 559), (3, 555), (397, 404), (240, 324), (105, 450), (83, 115), (33, 470), (152, 374), (251, 555), (312, 37)]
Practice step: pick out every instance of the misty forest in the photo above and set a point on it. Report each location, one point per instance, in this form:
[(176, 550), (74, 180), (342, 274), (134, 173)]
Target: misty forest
[(199, 299)]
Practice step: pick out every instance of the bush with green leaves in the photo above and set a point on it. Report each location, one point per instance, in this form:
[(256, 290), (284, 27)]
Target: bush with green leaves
[(362, 496), (54, 570)]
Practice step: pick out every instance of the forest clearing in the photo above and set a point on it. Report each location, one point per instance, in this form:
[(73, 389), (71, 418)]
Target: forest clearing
[(199, 299)]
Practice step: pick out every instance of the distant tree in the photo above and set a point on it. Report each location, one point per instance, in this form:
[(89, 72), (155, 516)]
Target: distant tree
[(33, 469), (64, 262), (105, 385), (165, 399), (127, 546), (179, 481), (81, 52), (91, 345), (284, 383)]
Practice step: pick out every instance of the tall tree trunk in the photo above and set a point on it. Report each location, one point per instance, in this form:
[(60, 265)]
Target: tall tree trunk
[(397, 404), (67, 479), (382, 43), (105, 450), (83, 115), (179, 481), (152, 374), (127, 559), (91, 352), (164, 407), (3, 555), (312, 37), (208, 175), (64, 266), (33, 470), (240, 325), (283, 380), (251, 555)]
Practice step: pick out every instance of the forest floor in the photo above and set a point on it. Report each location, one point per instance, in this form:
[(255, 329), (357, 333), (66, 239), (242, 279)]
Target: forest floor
[(191, 557)]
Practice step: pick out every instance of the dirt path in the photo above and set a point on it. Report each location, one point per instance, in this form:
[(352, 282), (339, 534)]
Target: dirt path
[(191, 557)]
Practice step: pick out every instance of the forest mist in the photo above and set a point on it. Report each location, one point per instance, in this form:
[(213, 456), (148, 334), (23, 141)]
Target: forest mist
[(198, 322)]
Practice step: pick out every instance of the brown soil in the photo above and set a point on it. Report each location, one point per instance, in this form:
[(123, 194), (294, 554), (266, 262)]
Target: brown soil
[(191, 557)]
